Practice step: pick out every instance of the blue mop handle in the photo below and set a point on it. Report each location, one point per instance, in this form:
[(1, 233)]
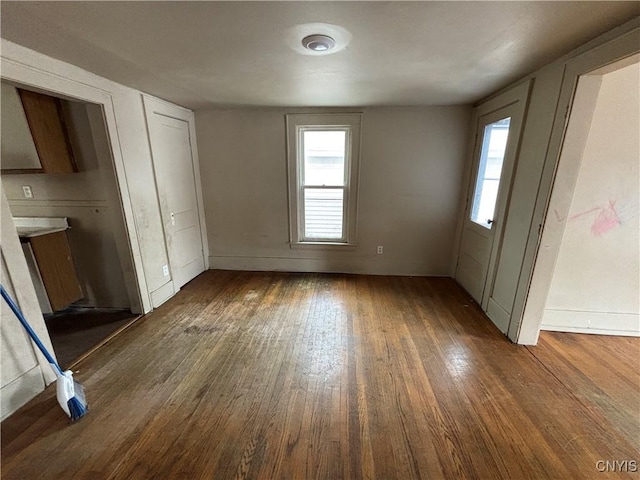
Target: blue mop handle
[(28, 328)]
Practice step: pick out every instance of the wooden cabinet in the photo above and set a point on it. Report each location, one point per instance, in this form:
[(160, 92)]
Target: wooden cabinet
[(49, 131), (45, 118), (56, 269)]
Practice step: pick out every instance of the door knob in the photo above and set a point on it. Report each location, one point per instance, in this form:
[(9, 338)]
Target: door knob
[(489, 221)]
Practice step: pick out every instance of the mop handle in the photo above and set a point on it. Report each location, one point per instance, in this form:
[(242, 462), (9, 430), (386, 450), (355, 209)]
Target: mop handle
[(28, 328)]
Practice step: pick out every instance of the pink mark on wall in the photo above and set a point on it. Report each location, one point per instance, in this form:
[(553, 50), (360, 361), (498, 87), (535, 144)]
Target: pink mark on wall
[(606, 218)]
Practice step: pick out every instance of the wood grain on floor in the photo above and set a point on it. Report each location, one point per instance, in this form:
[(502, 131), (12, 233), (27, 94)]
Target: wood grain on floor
[(303, 376), (75, 332)]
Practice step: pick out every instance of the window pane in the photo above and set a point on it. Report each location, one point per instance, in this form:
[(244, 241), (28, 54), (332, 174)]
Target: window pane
[(324, 152), (323, 209), (494, 145)]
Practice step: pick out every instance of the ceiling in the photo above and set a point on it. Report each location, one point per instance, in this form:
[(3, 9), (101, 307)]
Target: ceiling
[(209, 54)]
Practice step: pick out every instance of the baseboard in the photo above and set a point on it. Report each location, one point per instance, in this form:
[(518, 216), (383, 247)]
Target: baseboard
[(17, 393), (601, 323), (592, 331), (314, 265), (162, 294), (498, 315)]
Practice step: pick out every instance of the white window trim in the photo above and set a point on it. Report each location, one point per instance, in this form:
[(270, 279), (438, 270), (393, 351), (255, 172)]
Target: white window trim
[(296, 124)]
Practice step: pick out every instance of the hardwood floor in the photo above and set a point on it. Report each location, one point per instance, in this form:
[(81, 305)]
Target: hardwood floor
[(76, 331), (303, 376)]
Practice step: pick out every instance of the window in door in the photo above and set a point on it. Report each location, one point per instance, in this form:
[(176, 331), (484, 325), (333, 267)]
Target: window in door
[(323, 168), (494, 146)]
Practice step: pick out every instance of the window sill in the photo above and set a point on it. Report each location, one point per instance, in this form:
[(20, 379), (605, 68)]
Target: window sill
[(322, 246)]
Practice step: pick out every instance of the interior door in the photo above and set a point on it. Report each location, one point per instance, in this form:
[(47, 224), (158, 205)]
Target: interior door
[(497, 137), (176, 182)]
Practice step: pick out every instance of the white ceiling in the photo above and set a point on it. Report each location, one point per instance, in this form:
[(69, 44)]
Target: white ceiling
[(207, 54)]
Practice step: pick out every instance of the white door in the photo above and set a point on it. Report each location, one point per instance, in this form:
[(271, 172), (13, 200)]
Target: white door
[(176, 181), (498, 128)]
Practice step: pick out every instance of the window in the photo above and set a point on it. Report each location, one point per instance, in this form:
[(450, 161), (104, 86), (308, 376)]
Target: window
[(494, 147), (323, 157)]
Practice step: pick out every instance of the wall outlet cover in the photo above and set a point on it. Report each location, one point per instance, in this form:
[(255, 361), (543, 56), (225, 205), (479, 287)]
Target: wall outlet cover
[(165, 270)]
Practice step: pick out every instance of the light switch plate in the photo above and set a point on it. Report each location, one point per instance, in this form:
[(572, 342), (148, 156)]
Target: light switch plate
[(27, 192)]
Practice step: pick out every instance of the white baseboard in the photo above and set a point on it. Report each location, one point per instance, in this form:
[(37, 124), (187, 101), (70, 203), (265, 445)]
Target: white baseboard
[(498, 315), (601, 323), (592, 331), (17, 393), (162, 294), (313, 265)]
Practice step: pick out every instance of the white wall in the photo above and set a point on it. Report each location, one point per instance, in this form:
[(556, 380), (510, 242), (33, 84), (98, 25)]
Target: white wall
[(82, 198), (596, 281), (412, 160)]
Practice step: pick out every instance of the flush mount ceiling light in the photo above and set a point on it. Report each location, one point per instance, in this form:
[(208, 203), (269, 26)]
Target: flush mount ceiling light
[(318, 42), (318, 39)]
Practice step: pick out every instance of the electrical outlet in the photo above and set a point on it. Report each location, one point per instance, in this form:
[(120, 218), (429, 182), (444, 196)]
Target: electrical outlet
[(165, 270), (27, 192), (380, 249)]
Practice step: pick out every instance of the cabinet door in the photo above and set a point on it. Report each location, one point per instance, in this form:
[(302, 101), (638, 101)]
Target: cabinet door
[(58, 272), (48, 129)]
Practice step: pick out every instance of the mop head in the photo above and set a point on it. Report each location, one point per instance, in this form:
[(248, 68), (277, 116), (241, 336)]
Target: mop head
[(71, 396)]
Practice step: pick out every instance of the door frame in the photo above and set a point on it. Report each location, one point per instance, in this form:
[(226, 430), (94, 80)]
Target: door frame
[(543, 248), (20, 284), (518, 96), (153, 106), (62, 86)]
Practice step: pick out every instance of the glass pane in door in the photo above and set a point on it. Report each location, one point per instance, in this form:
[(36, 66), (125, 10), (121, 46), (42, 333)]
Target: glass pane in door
[(485, 195)]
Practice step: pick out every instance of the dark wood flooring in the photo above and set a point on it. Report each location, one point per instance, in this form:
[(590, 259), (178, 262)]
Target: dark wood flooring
[(304, 376), (76, 331)]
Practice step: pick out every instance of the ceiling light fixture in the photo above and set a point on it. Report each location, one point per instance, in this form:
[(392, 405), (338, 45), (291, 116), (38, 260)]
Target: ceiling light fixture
[(316, 39), (318, 43)]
